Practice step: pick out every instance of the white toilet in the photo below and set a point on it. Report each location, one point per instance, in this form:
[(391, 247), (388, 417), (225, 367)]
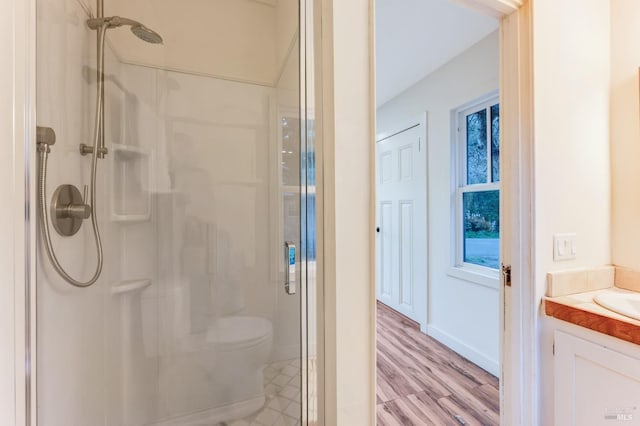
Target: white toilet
[(242, 345), (217, 374)]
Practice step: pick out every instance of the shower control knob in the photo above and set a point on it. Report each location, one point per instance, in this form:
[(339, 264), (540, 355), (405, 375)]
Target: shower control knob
[(82, 211), (68, 210)]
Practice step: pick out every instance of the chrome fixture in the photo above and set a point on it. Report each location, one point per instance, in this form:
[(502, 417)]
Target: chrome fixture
[(290, 267), (102, 24), (68, 208), (139, 30)]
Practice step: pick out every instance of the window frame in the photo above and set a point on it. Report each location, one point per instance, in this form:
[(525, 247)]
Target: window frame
[(482, 275)]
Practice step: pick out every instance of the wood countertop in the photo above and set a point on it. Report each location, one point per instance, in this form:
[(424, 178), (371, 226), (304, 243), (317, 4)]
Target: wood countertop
[(581, 310)]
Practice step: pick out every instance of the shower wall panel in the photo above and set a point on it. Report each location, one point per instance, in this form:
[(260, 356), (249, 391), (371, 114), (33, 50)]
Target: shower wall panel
[(76, 326)]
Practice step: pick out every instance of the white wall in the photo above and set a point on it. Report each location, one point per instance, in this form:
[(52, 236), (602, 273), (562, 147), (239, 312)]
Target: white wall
[(347, 132), (222, 38), (571, 53), (286, 24), (625, 133), (461, 313)]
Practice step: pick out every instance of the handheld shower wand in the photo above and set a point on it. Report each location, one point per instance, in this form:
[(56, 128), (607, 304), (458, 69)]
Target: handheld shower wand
[(67, 207), (44, 149)]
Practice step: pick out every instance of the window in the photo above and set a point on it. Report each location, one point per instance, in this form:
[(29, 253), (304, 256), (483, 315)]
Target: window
[(478, 186)]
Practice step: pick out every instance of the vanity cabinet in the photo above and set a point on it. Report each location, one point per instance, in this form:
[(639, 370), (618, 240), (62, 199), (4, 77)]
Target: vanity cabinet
[(594, 384)]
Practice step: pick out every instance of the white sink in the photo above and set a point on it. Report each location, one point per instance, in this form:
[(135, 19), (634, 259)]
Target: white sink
[(623, 302)]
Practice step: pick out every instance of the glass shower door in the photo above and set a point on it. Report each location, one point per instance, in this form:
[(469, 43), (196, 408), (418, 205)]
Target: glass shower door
[(203, 175)]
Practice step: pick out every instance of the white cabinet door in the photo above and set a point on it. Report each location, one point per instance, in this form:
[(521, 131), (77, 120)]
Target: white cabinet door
[(401, 216), (594, 385)]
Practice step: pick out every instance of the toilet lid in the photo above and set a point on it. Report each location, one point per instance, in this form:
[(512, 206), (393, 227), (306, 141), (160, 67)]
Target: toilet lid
[(231, 331)]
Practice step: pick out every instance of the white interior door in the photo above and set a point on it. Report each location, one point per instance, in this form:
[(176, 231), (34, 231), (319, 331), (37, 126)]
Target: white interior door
[(401, 222)]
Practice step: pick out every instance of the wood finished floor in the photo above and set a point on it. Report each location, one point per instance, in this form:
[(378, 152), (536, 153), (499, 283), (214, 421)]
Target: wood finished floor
[(422, 382)]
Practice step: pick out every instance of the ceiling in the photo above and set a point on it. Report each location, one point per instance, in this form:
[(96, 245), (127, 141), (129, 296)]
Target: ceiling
[(415, 37)]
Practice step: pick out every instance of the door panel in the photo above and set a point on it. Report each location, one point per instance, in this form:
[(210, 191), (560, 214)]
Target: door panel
[(385, 167), (386, 272), (406, 163), (406, 254), (402, 221)]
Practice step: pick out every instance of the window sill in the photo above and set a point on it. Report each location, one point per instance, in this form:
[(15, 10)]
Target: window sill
[(489, 278)]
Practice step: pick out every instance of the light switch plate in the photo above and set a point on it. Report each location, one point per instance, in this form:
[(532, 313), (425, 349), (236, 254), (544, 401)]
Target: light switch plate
[(564, 247)]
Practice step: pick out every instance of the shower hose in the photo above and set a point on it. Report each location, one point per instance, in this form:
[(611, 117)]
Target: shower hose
[(42, 183)]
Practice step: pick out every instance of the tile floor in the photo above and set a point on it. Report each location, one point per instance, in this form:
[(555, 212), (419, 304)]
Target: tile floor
[(282, 389)]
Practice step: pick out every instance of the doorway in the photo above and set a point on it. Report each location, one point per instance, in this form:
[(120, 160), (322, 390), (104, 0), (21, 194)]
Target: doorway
[(437, 214)]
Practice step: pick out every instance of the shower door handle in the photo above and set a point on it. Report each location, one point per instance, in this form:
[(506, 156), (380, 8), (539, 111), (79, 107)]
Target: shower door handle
[(290, 267)]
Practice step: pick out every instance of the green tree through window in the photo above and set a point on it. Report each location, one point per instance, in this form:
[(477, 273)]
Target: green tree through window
[(478, 190)]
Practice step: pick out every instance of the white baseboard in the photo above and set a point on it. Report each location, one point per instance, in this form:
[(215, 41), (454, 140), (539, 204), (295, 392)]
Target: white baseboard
[(479, 359)]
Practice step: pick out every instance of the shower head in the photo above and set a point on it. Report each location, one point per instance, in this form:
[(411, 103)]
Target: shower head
[(141, 31), (146, 34)]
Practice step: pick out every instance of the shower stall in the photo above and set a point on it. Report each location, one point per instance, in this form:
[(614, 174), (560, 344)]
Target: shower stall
[(176, 253)]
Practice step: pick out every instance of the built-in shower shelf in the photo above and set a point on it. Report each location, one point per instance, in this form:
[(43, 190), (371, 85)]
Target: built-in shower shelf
[(130, 286), (130, 183)]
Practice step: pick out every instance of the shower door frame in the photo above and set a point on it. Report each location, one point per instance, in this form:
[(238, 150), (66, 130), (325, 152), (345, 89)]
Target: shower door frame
[(308, 144), (18, 352), (17, 294)]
